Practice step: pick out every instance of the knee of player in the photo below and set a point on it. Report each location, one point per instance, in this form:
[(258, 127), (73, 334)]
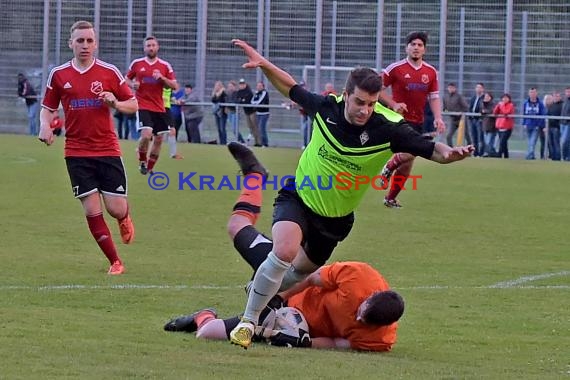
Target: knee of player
[(235, 225), (285, 251)]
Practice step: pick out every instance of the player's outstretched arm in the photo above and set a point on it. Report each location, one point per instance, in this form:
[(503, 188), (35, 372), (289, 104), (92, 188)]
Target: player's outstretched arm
[(445, 154), (281, 79)]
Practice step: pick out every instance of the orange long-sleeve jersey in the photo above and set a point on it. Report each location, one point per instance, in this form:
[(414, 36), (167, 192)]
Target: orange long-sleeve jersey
[(331, 310)]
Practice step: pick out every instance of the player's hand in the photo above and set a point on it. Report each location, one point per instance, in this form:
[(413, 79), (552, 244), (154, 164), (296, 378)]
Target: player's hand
[(109, 98), (439, 126), (254, 58), (136, 84), (459, 153), (157, 75), (401, 108), (46, 135), (284, 340)]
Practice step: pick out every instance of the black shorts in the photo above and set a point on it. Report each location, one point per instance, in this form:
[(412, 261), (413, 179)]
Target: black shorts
[(158, 121), (427, 134), (91, 174), (320, 234), (169, 118), (417, 127)]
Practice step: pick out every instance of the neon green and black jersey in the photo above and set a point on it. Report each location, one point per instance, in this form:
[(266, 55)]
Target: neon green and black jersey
[(343, 160), (166, 97)]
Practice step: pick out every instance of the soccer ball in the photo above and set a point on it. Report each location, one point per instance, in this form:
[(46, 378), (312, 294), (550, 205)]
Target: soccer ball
[(289, 320)]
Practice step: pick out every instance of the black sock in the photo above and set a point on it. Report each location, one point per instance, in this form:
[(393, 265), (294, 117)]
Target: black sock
[(253, 246)]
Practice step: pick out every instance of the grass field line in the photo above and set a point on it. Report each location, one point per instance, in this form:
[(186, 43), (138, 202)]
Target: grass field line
[(525, 279), (22, 160), (519, 283)]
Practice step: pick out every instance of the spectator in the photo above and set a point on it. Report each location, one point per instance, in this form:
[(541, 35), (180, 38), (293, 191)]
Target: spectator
[(329, 89), (122, 127), (454, 102), (488, 125), (475, 133), (193, 115), (172, 132), (176, 109), (219, 96), (565, 126), (504, 124), (261, 97), (244, 97), (26, 91), (428, 120), (554, 108), (534, 127), (232, 111), (131, 125)]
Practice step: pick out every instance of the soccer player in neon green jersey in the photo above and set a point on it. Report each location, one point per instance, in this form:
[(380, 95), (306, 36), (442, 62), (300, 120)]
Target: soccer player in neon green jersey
[(353, 137)]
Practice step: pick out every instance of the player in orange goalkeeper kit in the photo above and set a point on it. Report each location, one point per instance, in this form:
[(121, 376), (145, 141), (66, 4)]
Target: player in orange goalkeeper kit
[(346, 305)]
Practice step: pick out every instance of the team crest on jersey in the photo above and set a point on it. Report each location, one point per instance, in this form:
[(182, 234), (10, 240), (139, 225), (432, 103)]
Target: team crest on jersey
[(96, 87), (364, 138), (425, 78)]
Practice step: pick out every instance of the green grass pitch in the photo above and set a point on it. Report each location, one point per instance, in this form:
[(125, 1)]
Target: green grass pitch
[(479, 252)]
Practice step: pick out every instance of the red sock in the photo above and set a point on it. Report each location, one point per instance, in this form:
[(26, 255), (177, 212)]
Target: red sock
[(102, 236), (399, 179), (249, 201), (151, 161), (202, 318), (396, 160), (142, 155)]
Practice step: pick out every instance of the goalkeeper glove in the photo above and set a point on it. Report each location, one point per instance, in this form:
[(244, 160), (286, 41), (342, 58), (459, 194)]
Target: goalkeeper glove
[(284, 340)]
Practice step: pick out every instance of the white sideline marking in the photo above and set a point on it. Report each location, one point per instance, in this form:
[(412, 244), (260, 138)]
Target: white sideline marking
[(22, 160), (509, 284), (514, 284), (525, 279)]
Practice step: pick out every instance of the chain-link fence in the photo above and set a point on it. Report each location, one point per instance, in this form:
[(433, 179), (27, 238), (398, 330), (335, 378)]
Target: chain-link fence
[(507, 46)]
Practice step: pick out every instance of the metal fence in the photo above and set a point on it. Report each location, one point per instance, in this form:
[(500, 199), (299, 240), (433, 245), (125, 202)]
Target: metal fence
[(508, 46)]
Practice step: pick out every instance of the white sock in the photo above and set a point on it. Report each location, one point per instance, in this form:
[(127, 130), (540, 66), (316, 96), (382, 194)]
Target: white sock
[(172, 145), (265, 285)]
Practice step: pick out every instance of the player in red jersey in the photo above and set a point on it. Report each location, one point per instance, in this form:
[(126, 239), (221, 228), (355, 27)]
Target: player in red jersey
[(87, 88), (148, 76), (413, 82)]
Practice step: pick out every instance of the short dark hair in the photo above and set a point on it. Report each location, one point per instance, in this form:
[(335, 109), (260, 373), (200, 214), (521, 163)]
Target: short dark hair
[(188, 85), (417, 35), (384, 308), (148, 38), (507, 95), (452, 84), (365, 79)]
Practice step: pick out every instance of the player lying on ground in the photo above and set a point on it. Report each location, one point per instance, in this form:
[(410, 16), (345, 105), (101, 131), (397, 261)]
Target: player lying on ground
[(346, 305)]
